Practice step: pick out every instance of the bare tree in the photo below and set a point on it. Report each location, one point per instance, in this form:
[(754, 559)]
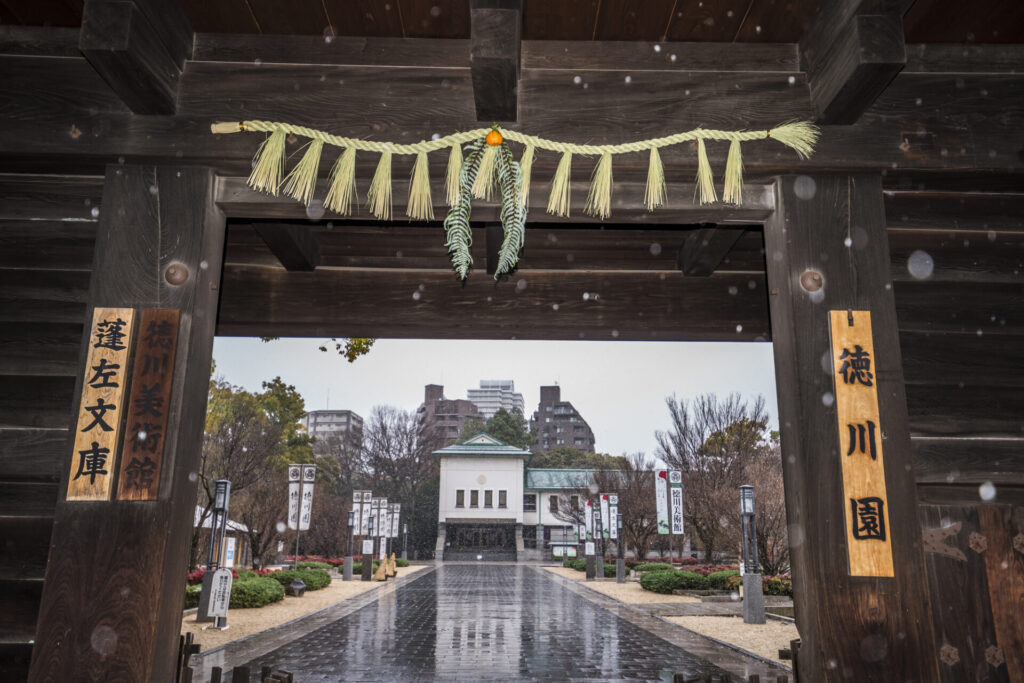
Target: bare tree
[(634, 484), (263, 509), (765, 473), (713, 441)]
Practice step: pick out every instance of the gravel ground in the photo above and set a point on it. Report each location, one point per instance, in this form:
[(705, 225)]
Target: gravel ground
[(762, 639), (245, 622), (629, 592)]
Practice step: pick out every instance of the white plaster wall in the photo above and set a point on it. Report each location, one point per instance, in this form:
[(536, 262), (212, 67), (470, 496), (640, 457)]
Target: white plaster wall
[(481, 474)]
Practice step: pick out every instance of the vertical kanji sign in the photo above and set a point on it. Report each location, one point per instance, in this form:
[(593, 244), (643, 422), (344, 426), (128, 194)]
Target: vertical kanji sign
[(588, 517), (675, 491), (661, 500), (864, 503), (306, 505), (613, 515), (357, 511), (94, 456), (294, 484), (605, 519), (152, 374)]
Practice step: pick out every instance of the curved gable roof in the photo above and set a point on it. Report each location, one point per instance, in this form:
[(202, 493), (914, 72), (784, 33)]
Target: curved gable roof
[(482, 445)]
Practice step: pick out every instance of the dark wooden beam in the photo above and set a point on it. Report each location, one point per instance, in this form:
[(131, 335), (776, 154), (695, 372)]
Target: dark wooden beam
[(886, 629), (530, 305), (705, 248), (969, 460), (493, 243), (132, 555), (295, 246), (851, 52), (139, 48), (494, 58)]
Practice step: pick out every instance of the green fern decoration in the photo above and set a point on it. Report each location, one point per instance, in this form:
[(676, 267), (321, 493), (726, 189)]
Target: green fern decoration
[(456, 223), (508, 176), (513, 211)]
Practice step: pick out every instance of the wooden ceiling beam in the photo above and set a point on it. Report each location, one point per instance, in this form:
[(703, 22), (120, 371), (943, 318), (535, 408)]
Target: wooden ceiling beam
[(851, 52), (295, 246), (705, 248), (494, 48), (139, 48)]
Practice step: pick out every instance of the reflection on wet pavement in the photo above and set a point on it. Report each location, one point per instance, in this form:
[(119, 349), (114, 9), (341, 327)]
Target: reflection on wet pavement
[(482, 622)]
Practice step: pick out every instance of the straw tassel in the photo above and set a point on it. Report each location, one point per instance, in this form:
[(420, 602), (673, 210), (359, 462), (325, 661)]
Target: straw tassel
[(420, 206), (599, 201), (266, 173), (526, 166), (342, 191), (654, 193), (799, 136), (558, 201), (705, 181), (379, 195), (301, 182), (483, 184), (733, 192), (451, 183)]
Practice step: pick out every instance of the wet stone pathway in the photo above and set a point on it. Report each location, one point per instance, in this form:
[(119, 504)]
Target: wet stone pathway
[(483, 622)]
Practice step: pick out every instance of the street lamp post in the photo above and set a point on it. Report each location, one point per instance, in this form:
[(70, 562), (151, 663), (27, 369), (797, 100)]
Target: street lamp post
[(347, 571), (368, 559), (405, 540), (753, 592), (620, 562)]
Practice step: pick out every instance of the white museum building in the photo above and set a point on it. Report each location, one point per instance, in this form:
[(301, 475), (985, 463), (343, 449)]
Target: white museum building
[(493, 506)]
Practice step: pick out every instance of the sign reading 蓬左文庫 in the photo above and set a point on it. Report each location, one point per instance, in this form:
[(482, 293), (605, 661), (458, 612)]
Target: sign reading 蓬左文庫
[(94, 457), (146, 425), (864, 502)]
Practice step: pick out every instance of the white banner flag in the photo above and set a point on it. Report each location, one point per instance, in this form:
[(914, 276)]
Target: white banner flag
[(675, 487), (294, 479), (382, 518), (613, 509), (308, 480), (396, 517), (364, 522), (588, 516), (606, 521), (661, 500)]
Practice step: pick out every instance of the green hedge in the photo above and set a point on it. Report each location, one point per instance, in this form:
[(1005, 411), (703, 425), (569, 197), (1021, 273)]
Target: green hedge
[(357, 567), (309, 564), (246, 574), (667, 580), (315, 579), (720, 580), (652, 567), (192, 596), (399, 562), (255, 592), (609, 570), (663, 581), (579, 565)]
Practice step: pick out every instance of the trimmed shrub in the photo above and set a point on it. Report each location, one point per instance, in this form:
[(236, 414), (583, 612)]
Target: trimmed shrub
[(652, 567), (314, 565), (734, 582), (315, 579), (255, 593), (609, 570), (192, 596), (399, 562), (688, 560), (660, 581), (720, 580), (691, 580), (777, 585), (357, 567), (245, 574)]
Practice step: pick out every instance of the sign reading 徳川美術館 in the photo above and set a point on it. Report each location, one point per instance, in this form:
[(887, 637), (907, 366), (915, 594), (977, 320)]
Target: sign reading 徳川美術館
[(94, 457), (864, 502), (148, 405)]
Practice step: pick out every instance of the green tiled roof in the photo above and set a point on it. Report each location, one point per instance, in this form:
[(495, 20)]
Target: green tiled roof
[(483, 445), (541, 479)]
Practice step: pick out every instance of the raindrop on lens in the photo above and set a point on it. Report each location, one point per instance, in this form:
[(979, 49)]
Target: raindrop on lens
[(554, 307), (192, 476), (153, 189), (577, 79), (804, 187), (847, 242), (792, 80), (615, 333), (733, 290), (987, 491), (920, 265), (739, 328), (657, 48), (827, 398), (415, 296), (655, 249), (281, 527), (628, 79), (315, 209), (94, 211)]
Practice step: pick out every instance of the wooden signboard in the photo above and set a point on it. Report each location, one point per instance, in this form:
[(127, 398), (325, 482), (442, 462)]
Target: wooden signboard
[(865, 504), (152, 374), (94, 457)]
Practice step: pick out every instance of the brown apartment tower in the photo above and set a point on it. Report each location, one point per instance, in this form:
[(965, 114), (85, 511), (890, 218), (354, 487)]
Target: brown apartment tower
[(441, 419), (558, 423)]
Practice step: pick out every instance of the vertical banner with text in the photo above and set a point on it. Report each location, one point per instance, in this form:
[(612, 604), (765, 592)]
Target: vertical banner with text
[(94, 457), (613, 518), (396, 517), (606, 521), (661, 500), (308, 482), (142, 456), (364, 528), (382, 518), (675, 490), (294, 482), (860, 444), (357, 511), (588, 519)]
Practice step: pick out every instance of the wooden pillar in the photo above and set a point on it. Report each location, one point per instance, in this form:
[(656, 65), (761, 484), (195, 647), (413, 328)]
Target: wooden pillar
[(112, 599), (861, 628)]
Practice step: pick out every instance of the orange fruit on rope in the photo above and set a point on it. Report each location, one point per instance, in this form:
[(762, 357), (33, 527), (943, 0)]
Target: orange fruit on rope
[(494, 138)]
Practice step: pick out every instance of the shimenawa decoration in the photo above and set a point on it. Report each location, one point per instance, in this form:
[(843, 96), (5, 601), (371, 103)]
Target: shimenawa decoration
[(481, 160)]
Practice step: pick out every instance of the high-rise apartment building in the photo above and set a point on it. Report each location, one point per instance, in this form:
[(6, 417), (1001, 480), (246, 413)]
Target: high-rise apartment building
[(494, 394), (558, 423), (441, 419), (327, 425)]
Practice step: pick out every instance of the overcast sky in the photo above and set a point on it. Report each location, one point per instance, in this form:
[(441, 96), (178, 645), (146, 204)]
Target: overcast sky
[(618, 387)]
